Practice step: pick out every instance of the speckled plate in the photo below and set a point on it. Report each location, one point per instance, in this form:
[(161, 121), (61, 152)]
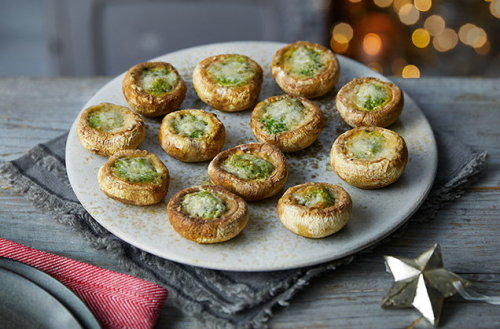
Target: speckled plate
[(265, 244)]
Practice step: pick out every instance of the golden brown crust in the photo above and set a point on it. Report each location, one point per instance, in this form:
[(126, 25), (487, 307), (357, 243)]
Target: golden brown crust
[(199, 230), (188, 149), (135, 193), (369, 174), (145, 103), (310, 87), (251, 190), (292, 140), (226, 98), (356, 117), (107, 143), (315, 222)]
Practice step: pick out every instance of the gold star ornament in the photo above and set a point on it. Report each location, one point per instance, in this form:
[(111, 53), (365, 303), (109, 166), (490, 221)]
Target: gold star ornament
[(422, 283)]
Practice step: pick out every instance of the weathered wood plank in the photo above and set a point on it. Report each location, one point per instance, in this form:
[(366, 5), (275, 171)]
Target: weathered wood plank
[(346, 298)]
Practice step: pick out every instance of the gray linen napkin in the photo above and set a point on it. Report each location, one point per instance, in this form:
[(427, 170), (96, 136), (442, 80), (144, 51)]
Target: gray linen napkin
[(219, 299)]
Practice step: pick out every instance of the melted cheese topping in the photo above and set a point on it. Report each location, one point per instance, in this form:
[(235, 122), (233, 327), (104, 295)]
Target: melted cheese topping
[(190, 125), (232, 71), (137, 170), (283, 115), (248, 166), (157, 81), (107, 119), (371, 96), (203, 204), (314, 196), (370, 145), (304, 62)]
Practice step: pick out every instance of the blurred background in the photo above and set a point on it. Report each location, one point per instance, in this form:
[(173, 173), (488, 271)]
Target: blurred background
[(408, 38)]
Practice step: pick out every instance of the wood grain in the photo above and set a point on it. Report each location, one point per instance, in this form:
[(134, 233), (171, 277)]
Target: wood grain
[(35, 110)]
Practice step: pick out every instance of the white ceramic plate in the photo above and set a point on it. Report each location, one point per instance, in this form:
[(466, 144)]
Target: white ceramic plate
[(264, 244)]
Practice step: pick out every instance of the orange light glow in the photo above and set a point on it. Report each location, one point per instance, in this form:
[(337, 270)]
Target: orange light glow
[(372, 44), (484, 50), (423, 5), (421, 38), (339, 47), (410, 72), (397, 4), (342, 32)]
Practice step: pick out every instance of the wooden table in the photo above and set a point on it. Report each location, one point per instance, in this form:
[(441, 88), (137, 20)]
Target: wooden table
[(35, 110)]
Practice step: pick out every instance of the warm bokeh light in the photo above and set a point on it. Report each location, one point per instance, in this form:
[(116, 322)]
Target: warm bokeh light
[(421, 38), (339, 47), (408, 14), (376, 67), (342, 33), (445, 40), (495, 8), (397, 65), (423, 5), (355, 1), (372, 44), (397, 4), (484, 50), (411, 72), (472, 35), (434, 24), (383, 3)]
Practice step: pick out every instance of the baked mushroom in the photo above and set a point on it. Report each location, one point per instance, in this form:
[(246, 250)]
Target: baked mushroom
[(370, 102), (305, 69), (107, 128), (207, 214), (291, 123), (192, 135), (134, 177), (153, 88), (253, 171), (228, 82), (315, 210), (369, 157)]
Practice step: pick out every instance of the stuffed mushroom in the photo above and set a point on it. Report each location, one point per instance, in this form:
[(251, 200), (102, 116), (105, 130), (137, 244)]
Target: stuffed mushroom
[(207, 214), (369, 157), (192, 135), (153, 88)]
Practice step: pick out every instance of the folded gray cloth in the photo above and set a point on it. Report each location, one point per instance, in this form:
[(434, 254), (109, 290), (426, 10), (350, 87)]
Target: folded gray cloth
[(219, 299)]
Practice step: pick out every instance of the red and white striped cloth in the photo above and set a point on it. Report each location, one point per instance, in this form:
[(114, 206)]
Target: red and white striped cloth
[(117, 300)]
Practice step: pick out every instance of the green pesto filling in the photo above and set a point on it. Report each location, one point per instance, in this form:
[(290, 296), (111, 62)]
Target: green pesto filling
[(314, 197), (232, 71), (158, 81), (248, 166), (190, 125), (203, 204), (282, 115), (371, 96), (106, 119), (305, 61), (136, 170), (366, 145)]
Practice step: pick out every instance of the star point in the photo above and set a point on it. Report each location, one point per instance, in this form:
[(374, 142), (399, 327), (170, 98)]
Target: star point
[(422, 282)]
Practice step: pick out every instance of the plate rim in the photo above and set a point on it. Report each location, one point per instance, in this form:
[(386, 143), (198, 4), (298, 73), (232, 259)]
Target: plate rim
[(57, 289), (367, 244), (40, 290)]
